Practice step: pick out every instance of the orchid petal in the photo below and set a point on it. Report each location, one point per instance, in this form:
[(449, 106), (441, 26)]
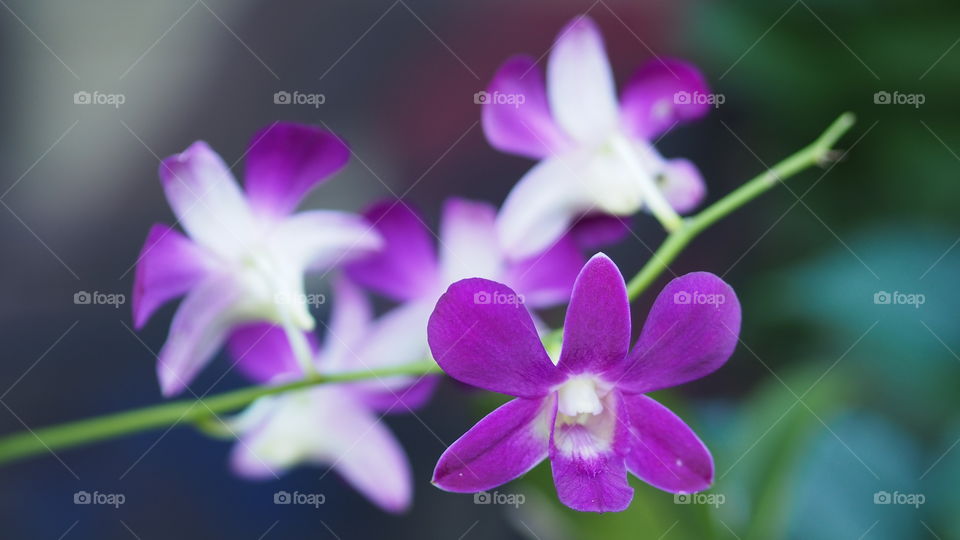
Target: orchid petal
[(691, 331), (526, 128), (580, 83), (546, 279), (587, 460), (206, 199), (342, 434), (169, 266), (262, 353), (596, 331), (468, 241), (598, 230), (505, 444), (199, 328), (319, 239), (480, 334), (541, 207), (285, 161), (660, 95), (351, 318), (664, 451), (682, 185), (406, 267)]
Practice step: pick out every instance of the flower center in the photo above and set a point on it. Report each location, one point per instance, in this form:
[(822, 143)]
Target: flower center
[(579, 399)]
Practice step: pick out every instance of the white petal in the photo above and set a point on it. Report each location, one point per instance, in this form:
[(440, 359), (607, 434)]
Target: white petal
[(543, 204), (580, 84), (468, 241), (323, 238)]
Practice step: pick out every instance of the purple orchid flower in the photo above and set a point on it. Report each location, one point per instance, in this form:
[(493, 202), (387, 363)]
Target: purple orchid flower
[(595, 153), (247, 254), (338, 425), (409, 270), (587, 412)]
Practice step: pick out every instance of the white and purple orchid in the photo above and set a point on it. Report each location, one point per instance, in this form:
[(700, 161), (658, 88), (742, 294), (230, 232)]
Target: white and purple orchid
[(596, 154), (337, 425), (408, 269), (587, 412), (247, 253)]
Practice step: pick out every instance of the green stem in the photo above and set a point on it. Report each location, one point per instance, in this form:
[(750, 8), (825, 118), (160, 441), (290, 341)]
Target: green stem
[(82, 432), (198, 412), (817, 152)]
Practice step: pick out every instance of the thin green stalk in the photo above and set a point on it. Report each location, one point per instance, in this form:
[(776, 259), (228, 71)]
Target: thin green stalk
[(198, 412), (818, 152), (186, 411)]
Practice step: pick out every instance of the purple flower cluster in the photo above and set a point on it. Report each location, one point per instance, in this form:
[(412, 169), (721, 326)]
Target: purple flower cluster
[(468, 298)]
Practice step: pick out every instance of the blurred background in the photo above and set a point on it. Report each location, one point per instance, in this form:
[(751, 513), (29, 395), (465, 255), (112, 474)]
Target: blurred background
[(835, 406)]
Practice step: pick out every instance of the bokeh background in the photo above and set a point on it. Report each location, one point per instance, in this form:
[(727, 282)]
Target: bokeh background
[(830, 400)]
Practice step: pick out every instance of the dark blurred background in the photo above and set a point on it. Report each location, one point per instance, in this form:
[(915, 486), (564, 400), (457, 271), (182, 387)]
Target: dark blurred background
[(831, 401)]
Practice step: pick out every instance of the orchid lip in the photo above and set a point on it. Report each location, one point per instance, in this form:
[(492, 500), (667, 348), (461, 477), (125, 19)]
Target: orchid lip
[(580, 397)]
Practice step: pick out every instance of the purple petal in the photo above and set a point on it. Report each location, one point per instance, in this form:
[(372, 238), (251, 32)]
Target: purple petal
[(502, 446), (664, 451), (199, 328), (406, 267), (592, 484), (546, 279), (682, 185), (580, 83), (321, 239), (525, 128), (262, 353), (598, 230), (480, 334), (587, 460), (169, 266), (660, 95), (596, 331), (690, 332), (285, 161), (206, 199)]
